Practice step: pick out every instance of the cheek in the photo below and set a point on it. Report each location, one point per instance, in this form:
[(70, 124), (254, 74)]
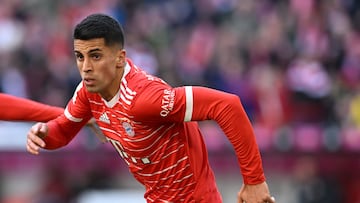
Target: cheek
[(107, 71), (79, 65)]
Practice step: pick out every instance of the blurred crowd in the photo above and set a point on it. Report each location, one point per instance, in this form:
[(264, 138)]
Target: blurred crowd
[(295, 64)]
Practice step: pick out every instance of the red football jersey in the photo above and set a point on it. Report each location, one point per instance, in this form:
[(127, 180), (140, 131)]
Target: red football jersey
[(152, 127), (20, 109)]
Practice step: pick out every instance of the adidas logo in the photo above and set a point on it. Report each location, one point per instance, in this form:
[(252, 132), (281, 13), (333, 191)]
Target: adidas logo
[(104, 118)]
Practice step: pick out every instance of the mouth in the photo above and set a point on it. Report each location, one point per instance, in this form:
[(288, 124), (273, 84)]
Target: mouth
[(89, 81)]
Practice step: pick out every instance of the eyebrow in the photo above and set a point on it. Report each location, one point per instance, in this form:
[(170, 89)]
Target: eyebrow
[(91, 51)]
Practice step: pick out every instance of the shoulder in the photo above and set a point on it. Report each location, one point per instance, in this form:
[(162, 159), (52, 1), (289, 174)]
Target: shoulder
[(137, 80)]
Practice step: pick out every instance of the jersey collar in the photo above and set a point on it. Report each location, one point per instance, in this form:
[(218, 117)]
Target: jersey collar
[(127, 69), (115, 99)]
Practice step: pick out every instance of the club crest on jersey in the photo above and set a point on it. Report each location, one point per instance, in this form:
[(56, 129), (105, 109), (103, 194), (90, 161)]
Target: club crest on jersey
[(126, 124)]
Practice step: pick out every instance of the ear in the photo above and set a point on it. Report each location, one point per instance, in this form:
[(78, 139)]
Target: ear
[(121, 58)]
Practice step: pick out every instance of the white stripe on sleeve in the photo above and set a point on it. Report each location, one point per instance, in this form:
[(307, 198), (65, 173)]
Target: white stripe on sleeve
[(70, 117), (189, 103)]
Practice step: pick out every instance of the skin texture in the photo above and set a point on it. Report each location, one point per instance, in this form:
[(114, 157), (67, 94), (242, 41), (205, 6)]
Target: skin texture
[(255, 193), (102, 67)]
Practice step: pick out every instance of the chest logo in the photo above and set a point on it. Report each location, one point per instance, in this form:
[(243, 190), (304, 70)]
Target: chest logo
[(104, 118)]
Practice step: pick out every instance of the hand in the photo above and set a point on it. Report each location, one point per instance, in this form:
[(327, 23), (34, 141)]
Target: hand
[(35, 138), (255, 194)]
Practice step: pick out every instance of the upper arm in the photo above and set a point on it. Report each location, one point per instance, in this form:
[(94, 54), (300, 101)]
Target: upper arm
[(158, 102), (163, 103)]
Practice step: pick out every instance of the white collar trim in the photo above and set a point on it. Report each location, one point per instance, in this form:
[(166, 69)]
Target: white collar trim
[(115, 99)]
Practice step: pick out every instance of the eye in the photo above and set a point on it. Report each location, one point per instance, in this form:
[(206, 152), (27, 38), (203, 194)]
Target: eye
[(96, 56), (79, 57)]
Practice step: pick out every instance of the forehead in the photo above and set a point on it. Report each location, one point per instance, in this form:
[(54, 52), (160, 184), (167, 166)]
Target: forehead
[(89, 45)]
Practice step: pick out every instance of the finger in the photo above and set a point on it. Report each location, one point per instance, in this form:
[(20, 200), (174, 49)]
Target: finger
[(34, 138), (35, 128), (35, 134), (32, 147), (31, 150), (240, 200), (270, 200), (42, 128)]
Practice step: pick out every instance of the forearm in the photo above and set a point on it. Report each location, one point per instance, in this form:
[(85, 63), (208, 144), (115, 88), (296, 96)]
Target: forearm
[(21, 109), (235, 124), (41, 113), (61, 132), (228, 112)]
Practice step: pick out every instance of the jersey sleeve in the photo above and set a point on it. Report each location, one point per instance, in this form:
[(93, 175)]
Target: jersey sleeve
[(64, 128), (20, 109), (161, 103), (226, 109)]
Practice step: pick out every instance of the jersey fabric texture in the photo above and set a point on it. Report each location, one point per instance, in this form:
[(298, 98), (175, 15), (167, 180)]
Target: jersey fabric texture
[(153, 127), (20, 109)]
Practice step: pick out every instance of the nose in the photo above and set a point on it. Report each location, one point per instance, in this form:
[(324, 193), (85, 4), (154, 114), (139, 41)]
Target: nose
[(86, 65)]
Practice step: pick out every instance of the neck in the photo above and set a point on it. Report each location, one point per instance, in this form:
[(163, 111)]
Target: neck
[(115, 85)]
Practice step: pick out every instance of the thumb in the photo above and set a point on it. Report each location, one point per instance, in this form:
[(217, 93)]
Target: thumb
[(41, 130), (240, 199), (36, 128)]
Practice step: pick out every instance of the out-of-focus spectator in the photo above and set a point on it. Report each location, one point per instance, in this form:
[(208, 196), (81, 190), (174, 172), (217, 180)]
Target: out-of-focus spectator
[(295, 64), (196, 54), (314, 188), (354, 110), (310, 86)]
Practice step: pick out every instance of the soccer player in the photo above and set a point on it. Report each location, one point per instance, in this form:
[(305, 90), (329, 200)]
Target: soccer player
[(14, 108), (152, 125)]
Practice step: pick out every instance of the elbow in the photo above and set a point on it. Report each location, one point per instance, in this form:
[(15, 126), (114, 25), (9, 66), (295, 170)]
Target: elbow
[(233, 98), (233, 101), (231, 108)]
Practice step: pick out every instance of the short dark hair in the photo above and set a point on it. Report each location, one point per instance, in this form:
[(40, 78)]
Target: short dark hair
[(100, 26)]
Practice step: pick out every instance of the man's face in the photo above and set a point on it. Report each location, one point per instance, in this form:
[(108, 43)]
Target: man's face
[(100, 66)]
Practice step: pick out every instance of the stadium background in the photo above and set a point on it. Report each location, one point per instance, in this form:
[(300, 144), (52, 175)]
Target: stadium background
[(295, 64)]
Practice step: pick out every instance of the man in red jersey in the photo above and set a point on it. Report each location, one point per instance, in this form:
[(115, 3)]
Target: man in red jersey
[(152, 125), (14, 108)]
